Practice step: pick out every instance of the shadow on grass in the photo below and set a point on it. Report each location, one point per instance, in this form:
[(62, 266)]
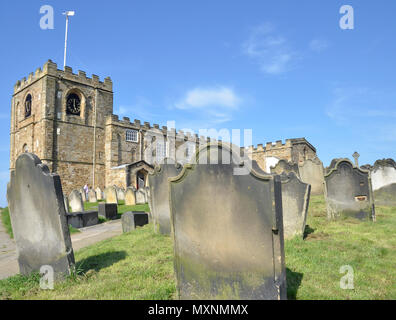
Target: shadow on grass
[(308, 230), (293, 280), (100, 261)]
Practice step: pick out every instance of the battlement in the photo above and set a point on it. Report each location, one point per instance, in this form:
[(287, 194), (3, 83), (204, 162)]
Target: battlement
[(270, 146), (51, 69)]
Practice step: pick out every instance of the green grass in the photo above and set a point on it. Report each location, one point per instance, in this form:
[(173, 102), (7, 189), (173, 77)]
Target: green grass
[(139, 264), (6, 220)]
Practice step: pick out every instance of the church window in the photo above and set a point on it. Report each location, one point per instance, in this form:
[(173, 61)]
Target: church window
[(132, 136), (28, 106), (73, 104)]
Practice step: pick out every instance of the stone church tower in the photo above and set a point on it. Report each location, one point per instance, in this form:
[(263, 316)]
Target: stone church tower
[(60, 116)]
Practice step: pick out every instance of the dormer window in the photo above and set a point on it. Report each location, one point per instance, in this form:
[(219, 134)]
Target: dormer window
[(73, 105), (28, 106)]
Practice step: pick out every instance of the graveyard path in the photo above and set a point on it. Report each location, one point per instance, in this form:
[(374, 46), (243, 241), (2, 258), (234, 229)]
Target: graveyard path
[(87, 236)]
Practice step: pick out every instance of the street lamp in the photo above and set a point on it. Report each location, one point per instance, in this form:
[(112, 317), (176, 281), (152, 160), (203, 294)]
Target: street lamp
[(67, 14)]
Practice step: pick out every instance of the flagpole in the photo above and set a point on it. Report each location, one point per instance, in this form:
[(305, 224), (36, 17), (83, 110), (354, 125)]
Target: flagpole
[(67, 14)]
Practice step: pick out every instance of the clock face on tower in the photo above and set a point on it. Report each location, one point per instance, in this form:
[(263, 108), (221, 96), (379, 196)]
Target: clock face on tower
[(73, 104)]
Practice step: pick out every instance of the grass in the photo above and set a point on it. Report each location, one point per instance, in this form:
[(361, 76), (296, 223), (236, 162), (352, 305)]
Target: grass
[(6, 220), (139, 264)]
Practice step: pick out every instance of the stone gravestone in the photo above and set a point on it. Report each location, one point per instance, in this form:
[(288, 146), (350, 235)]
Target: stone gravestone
[(75, 201), (111, 195), (284, 166), (383, 177), (348, 192), (108, 210), (295, 201), (131, 220), (311, 171), (99, 195), (83, 195), (92, 196), (159, 190), (66, 201), (120, 194), (38, 217), (130, 199), (140, 196), (227, 229)]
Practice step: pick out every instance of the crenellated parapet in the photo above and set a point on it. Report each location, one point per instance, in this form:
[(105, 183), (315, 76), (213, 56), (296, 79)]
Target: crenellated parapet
[(269, 146), (51, 69)]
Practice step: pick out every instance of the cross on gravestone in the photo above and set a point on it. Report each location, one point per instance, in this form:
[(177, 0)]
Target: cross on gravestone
[(356, 157)]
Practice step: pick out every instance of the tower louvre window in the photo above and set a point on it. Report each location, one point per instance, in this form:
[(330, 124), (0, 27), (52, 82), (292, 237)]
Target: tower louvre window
[(28, 106), (132, 136)]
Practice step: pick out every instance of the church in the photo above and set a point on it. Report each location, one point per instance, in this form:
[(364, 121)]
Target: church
[(67, 120)]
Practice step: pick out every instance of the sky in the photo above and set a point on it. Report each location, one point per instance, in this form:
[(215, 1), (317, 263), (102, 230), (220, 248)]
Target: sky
[(284, 68)]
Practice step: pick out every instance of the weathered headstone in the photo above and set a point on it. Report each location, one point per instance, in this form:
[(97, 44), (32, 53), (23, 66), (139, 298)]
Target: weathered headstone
[(132, 219), (111, 195), (295, 201), (228, 230), (284, 166), (383, 177), (108, 210), (311, 171), (130, 199), (92, 196), (356, 156), (76, 202), (38, 217), (99, 193), (348, 192), (140, 196), (83, 195), (66, 201), (159, 189), (120, 194)]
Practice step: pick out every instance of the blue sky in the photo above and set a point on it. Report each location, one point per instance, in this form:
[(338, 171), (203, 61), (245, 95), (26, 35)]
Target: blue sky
[(284, 69)]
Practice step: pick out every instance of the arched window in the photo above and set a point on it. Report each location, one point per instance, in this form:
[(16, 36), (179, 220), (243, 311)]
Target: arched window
[(28, 106), (73, 104), (25, 148)]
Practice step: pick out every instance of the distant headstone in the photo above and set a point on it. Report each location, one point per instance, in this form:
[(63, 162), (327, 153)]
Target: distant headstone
[(130, 199), (99, 194), (76, 202), (111, 195), (83, 195), (66, 201), (311, 171), (348, 192), (92, 196), (82, 219), (284, 166), (140, 196), (131, 220), (108, 210), (295, 201), (38, 217), (383, 177), (228, 229), (120, 194), (356, 156), (159, 189)]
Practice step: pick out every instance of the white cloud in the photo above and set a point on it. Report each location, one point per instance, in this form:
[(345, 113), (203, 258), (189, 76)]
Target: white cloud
[(270, 50), (141, 109), (318, 45), (208, 98)]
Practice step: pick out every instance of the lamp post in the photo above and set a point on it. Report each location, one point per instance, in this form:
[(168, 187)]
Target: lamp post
[(67, 14)]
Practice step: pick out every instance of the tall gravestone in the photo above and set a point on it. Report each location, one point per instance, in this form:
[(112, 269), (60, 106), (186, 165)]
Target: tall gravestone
[(111, 195), (75, 201), (83, 195), (99, 194), (295, 201), (311, 171), (383, 177), (348, 191), (227, 229), (38, 217), (159, 191), (120, 194), (130, 198), (92, 196), (66, 202)]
